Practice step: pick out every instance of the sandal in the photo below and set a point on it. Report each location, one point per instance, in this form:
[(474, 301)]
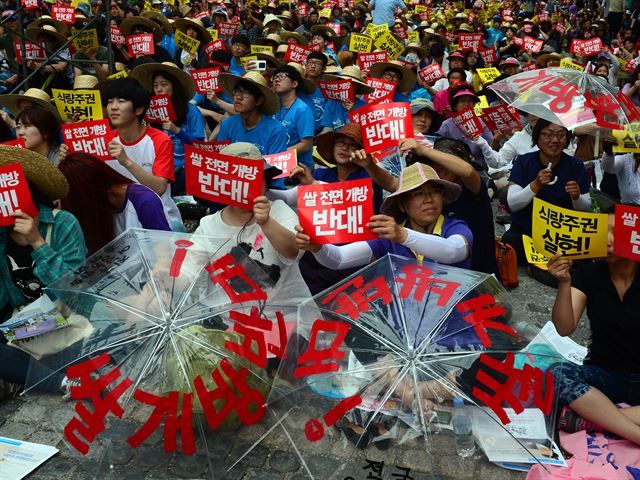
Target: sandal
[(357, 435)]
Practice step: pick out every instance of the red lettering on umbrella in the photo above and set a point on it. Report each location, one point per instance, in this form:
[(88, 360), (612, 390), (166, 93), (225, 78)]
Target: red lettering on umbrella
[(320, 358), (229, 272), (480, 310), (420, 277)]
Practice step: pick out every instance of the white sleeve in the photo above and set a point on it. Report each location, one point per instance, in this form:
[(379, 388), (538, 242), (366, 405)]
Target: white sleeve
[(449, 250), (351, 255), (583, 204), (613, 164), (490, 155), (290, 196), (518, 197)]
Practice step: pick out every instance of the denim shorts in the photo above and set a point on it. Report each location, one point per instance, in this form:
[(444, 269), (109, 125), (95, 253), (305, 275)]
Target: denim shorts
[(573, 381)]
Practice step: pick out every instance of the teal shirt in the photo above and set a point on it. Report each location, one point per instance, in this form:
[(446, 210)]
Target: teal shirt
[(66, 252)]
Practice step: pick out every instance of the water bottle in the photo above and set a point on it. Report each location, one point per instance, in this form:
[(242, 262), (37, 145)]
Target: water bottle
[(462, 431)]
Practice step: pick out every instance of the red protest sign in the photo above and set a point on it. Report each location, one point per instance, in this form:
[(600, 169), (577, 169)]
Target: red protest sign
[(228, 29), (451, 37), (501, 118), (30, 4), (160, 109), (339, 90), (89, 137), (626, 240), (560, 28), (336, 212), (18, 142), (303, 10), (203, 14), (14, 194), (586, 47), (529, 66), (206, 79), (214, 46), (117, 38), (335, 26), (64, 14), (384, 90), (488, 55), (543, 17), (222, 178), (424, 16), (469, 41), (431, 74), (468, 122), (367, 60), (518, 41), (383, 125), (528, 28), (211, 146), (285, 161), (141, 44), (296, 53), (631, 65), (32, 50), (533, 44)]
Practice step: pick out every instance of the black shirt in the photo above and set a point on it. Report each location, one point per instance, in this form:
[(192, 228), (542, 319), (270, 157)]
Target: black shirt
[(615, 324)]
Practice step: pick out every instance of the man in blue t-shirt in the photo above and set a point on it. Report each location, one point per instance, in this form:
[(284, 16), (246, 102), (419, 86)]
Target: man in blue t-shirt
[(294, 115), (313, 69), (240, 46), (383, 11)]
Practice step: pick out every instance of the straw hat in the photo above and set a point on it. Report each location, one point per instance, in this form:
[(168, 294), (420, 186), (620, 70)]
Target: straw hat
[(249, 150), (422, 52), (119, 66), (272, 40), (128, 25), (300, 39), (270, 17), (282, 49), (465, 27), (182, 24), (160, 19), (38, 169), (355, 75), (544, 58), (285, 15), (47, 20), (84, 82), (308, 85), (323, 28), (185, 10), (406, 83), (326, 141), (270, 104), (144, 74), (270, 58), (413, 177), (35, 95), (46, 30)]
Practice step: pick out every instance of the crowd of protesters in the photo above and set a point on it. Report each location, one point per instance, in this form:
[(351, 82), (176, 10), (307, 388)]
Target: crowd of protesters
[(440, 207)]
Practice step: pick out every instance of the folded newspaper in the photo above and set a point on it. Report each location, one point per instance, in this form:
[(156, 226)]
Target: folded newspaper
[(566, 347), (38, 318)]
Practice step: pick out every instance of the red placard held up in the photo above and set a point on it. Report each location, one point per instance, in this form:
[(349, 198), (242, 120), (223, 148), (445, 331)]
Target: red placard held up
[(367, 60), (339, 90), (502, 118), (64, 14), (560, 28), (384, 90), (431, 74), (117, 38), (451, 37), (285, 161), (543, 17), (533, 44), (30, 4), (222, 178), (518, 41), (14, 194), (141, 44), (303, 10), (32, 50), (211, 146), (586, 47), (529, 66), (228, 29), (383, 126), (88, 137), (336, 212), (488, 56), (468, 122), (160, 109), (18, 142), (296, 53), (469, 41), (214, 46), (206, 79), (626, 241)]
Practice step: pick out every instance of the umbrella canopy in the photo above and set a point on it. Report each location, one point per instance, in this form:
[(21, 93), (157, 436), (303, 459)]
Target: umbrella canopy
[(390, 347), (567, 97)]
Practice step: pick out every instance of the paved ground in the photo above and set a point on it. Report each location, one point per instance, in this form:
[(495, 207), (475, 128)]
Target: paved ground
[(39, 418)]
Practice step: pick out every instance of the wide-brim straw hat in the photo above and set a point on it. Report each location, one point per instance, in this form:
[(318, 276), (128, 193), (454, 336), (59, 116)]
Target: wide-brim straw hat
[(144, 74), (271, 40), (270, 58), (160, 19), (354, 74), (84, 82), (413, 177), (230, 81), (47, 20), (465, 27), (46, 30), (38, 169), (270, 17), (326, 141), (300, 39), (406, 83), (323, 28), (544, 58), (308, 85), (128, 25), (285, 15), (422, 52), (35, 95), (182, 24)]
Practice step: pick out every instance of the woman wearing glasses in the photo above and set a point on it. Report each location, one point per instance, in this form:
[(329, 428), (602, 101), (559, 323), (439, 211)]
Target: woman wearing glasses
[(549, 174)]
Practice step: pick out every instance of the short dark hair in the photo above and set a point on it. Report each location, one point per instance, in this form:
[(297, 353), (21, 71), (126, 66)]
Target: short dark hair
[(436, 50), (457, 70), (543, 123), (250, 87), (318, 56), (128, 89), (321, 33), (241, 38), (292, 73), (45, 121)]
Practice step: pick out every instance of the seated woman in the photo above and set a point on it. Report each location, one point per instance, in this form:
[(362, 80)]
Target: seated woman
[(609, 290), (40, 130), (428, 234), (107, 203), (35, 251)]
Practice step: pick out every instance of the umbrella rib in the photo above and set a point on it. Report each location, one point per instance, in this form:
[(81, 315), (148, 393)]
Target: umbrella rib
[(178, 356), (154, 285)]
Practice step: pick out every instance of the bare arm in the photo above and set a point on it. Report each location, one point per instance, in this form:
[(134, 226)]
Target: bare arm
[(148, 179), (570, 302)]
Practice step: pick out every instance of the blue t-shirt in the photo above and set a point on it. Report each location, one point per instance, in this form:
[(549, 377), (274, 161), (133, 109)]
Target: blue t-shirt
[(525, 170), (330, 175), (297, 121), (191, 129), (493, 35), (316, 103), (269, 136), (169, 45), (400, 97), (451, 226), (336, 116), (234, 68), (384, 11)]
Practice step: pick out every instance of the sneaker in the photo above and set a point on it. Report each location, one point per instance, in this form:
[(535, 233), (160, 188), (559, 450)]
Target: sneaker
[(65, 387), (9, 390), (571, 422)]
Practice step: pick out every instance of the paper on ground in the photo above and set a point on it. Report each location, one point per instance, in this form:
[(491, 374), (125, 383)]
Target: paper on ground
[(18, 459)]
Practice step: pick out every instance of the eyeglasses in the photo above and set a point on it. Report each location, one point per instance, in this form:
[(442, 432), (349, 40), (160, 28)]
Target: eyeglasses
[(552, 135), (391, 76), (239, 92), (279, 77), (314, 63), (346, 144)]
